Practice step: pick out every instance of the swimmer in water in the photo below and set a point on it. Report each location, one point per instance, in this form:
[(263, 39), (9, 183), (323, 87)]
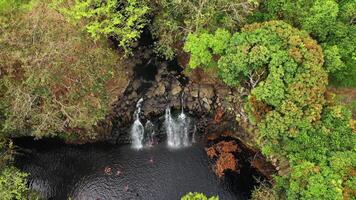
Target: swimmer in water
[(108, 170)]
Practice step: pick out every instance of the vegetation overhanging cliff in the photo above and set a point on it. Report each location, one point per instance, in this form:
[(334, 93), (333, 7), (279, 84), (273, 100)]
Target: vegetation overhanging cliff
[(64, 64)]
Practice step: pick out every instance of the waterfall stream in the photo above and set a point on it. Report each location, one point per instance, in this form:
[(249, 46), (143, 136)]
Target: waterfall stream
[(137, 129), (176, 127), (149, 133)]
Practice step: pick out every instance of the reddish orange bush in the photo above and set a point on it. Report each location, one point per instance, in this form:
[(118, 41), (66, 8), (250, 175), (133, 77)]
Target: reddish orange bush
[(225, 161), (226, 147), (211, 152)]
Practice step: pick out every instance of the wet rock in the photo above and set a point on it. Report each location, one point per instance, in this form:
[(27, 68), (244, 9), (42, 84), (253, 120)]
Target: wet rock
[(222, 91), (193, 105), (136, 84), (160, 90), (158, 78), (206, 91), (194, 91), (176, 89), (133, 95), (207, 103)]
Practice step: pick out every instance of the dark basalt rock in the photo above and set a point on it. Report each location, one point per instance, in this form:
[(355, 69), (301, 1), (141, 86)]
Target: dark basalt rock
[(159, 90), (161, 84)]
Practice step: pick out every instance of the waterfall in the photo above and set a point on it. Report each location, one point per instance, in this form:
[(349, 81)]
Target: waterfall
[(193, 135), (177, 129), (141, 135), (149, 133), (137, 129), (169, 125)]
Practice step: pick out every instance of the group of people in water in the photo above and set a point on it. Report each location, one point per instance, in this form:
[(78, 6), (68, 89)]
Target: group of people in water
[(109, 171)]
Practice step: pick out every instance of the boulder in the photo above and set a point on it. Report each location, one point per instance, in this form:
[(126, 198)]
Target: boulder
[(176, 89), (160, 90), (206, 91)]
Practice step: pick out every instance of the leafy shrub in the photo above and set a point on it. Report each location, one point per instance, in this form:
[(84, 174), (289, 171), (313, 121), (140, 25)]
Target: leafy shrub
[(7, 6), (174, 19), (119, 19), (198, 196), (331, 22), (55, 79), (263, 192), (13, 184)]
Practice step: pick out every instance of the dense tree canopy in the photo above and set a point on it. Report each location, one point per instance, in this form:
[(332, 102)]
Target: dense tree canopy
[(331, 22), (284, 69), (175, 19), (58, 80)]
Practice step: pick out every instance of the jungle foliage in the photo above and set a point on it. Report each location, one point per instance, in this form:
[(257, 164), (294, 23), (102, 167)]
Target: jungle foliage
[(198, 196), (55, 80), (13, 184), (330, 22), (122, 20), (283, 67), (173, 20)]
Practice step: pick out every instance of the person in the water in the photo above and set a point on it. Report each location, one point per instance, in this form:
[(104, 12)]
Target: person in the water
[(108, 170)]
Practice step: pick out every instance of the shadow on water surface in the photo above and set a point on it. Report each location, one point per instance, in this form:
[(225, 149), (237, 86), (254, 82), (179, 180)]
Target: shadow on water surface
[(105, 171)]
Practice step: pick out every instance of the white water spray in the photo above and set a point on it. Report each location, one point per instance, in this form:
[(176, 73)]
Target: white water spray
[(149, 133), (177, 129), (141, 135), (137, 129)]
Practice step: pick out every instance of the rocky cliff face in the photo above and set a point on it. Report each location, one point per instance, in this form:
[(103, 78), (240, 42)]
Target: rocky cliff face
[(162, 84)]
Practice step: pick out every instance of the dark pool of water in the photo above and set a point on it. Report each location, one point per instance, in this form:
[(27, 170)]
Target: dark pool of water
[(105, 171)]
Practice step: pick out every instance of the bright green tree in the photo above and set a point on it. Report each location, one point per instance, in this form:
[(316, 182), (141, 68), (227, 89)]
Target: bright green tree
[(123, 20), (283, 68), (330, 22), (198, 196), (174, 19)]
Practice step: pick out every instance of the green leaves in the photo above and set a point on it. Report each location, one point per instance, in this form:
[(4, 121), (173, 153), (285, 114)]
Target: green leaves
[(200, 48), (283, 68), (330, 22), (333, 62), (198, 196), (309, 181), (321, 18), (272, 90), (13, 184), (123, 20), (175, 19), (204, 46)]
